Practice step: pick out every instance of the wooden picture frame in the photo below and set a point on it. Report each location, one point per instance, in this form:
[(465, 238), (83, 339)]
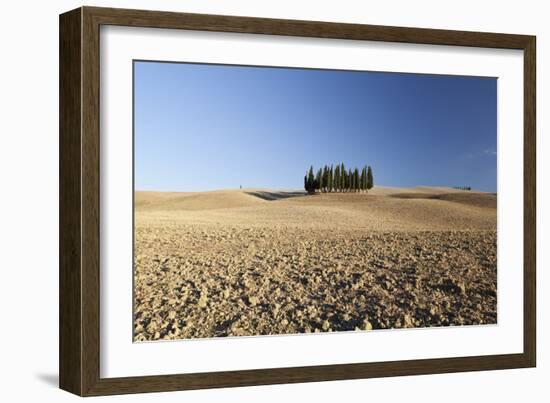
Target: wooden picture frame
[(79, 348)]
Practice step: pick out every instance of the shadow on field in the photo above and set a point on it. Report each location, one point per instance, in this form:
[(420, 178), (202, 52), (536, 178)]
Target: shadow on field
[(271, 196)]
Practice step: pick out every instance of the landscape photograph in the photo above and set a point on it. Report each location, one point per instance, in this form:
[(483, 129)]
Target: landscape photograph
[(282, 201)]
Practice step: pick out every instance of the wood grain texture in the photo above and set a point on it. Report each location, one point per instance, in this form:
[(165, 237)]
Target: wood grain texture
[(316, 29), (530, 203), (70, 275), (80, 201), (305, 374), (90, 202)]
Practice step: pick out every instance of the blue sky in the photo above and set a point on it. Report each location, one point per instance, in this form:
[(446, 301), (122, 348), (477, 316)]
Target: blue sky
[(203, 127)]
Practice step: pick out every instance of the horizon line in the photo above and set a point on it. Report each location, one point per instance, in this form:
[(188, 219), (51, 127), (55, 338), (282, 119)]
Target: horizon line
[(290, 189)]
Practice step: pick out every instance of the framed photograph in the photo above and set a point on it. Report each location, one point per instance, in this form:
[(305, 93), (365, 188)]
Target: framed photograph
[(249, 201)]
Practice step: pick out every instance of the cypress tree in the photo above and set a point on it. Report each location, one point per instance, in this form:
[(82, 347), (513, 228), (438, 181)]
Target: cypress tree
[(310, 180), (337, 178), (370, 178), (330, 178), (319, 179), (344, 180), (355, 180), (346, 185)]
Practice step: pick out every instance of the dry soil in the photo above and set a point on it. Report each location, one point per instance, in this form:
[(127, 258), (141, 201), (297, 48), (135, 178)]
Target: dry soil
[(258, 262)]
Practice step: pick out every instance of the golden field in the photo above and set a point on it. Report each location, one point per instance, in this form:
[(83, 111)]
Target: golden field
[(257, 262)]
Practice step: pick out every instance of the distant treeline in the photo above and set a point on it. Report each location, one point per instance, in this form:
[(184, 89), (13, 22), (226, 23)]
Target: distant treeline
[(338, 179), (462, 187)]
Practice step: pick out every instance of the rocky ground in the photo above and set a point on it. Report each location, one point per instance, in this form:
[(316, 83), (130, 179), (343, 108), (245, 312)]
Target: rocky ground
[(198, 274)]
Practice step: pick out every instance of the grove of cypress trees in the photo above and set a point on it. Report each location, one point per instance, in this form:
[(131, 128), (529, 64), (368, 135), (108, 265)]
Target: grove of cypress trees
[(338, 179)]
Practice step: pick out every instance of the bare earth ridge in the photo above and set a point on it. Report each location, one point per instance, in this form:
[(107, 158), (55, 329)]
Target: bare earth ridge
[(258, 262)]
